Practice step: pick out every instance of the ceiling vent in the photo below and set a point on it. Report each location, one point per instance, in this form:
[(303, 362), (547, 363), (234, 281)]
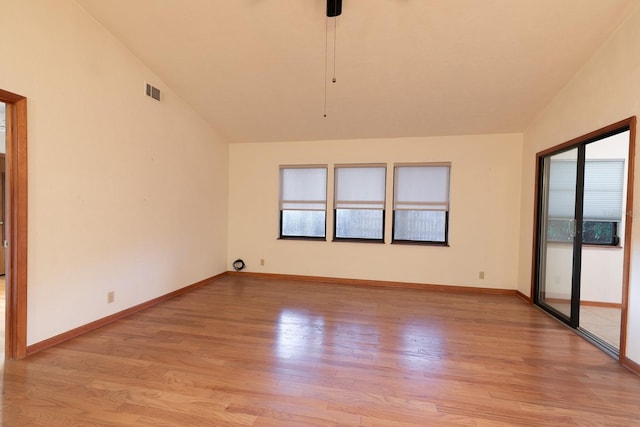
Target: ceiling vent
[(152, 91)]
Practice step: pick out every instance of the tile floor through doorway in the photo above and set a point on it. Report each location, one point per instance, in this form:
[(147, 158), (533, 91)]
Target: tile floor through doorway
[(603, 322)]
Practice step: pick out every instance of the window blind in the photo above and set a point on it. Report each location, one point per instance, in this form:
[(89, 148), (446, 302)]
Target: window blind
[(424, 187), (603, 189), (360, 187), (303, 188)]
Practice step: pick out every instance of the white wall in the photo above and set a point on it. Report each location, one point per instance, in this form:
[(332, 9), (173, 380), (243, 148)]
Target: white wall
[(125, 193), (606, 90), (601, 275), (484, 215)]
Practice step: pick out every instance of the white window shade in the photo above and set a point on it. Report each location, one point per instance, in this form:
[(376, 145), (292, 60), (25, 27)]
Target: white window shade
[(360, 187), (422, 187), (303, 188), (603, 189), (562, 189)]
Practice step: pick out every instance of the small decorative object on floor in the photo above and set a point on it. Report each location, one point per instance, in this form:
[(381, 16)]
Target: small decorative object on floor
[(238, 265)]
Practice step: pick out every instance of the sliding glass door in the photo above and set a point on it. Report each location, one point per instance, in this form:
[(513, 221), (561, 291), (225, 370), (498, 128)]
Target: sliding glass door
[(582, 234), (559, 235)]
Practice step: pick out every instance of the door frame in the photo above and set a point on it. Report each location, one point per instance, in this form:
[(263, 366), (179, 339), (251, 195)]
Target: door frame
[(16, 224), (629, 123)]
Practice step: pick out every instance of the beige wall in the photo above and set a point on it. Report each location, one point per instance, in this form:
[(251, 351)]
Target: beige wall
[(125, 193), (606, 90), (484, 216)]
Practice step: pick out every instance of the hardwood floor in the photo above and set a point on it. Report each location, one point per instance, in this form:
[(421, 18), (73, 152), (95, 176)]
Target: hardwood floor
[(251, 352)]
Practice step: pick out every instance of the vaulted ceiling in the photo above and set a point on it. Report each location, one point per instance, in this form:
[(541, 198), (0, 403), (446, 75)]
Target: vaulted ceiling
[(255, 69)]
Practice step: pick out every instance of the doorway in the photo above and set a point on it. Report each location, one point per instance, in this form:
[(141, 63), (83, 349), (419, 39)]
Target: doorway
[(582, 241), (3, 282), (15, 224)]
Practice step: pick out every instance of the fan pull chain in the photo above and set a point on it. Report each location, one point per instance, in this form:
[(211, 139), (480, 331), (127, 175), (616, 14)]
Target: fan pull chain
[(326, 63), (337, 9)]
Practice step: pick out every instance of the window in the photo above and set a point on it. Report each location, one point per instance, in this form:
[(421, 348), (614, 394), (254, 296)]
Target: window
[(303, 202), (593, 232), (359, 202), (421, 203), (602, 205)]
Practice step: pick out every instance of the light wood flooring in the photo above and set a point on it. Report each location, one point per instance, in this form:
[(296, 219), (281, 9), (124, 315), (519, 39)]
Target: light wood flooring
[(249, 352)]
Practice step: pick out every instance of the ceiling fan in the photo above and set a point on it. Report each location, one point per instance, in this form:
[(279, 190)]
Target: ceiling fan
[(334, 8)]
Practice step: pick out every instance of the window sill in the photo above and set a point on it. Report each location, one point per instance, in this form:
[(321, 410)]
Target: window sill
[(586, 245), (317, 239), (419, 243), (346, 239)]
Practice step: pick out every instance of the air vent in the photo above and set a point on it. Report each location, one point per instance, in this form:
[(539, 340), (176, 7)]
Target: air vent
[(152, 91)]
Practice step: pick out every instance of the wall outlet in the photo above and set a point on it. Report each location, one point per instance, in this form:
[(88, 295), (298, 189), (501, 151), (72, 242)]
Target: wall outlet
[(481, 275), (111, 296), (261, 261)]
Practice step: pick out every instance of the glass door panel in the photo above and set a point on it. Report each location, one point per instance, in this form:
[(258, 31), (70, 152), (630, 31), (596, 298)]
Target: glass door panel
[(601, 276), (557, 233)]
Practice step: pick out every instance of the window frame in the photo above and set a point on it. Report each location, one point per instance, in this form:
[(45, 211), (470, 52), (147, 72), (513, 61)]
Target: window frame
[(281, 201), (336, 202), (446, 211)]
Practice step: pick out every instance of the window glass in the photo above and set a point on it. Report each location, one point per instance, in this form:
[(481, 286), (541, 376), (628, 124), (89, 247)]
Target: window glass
[(359, 224), (303, 223), (424, 226)]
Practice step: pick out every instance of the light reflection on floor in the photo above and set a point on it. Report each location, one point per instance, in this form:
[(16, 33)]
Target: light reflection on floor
[(297, 332), (301, 334), (422, 343)]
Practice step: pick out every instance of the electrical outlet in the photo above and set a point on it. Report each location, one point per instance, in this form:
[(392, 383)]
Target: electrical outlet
[(261, 261), (481, 275), (111, 296)]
